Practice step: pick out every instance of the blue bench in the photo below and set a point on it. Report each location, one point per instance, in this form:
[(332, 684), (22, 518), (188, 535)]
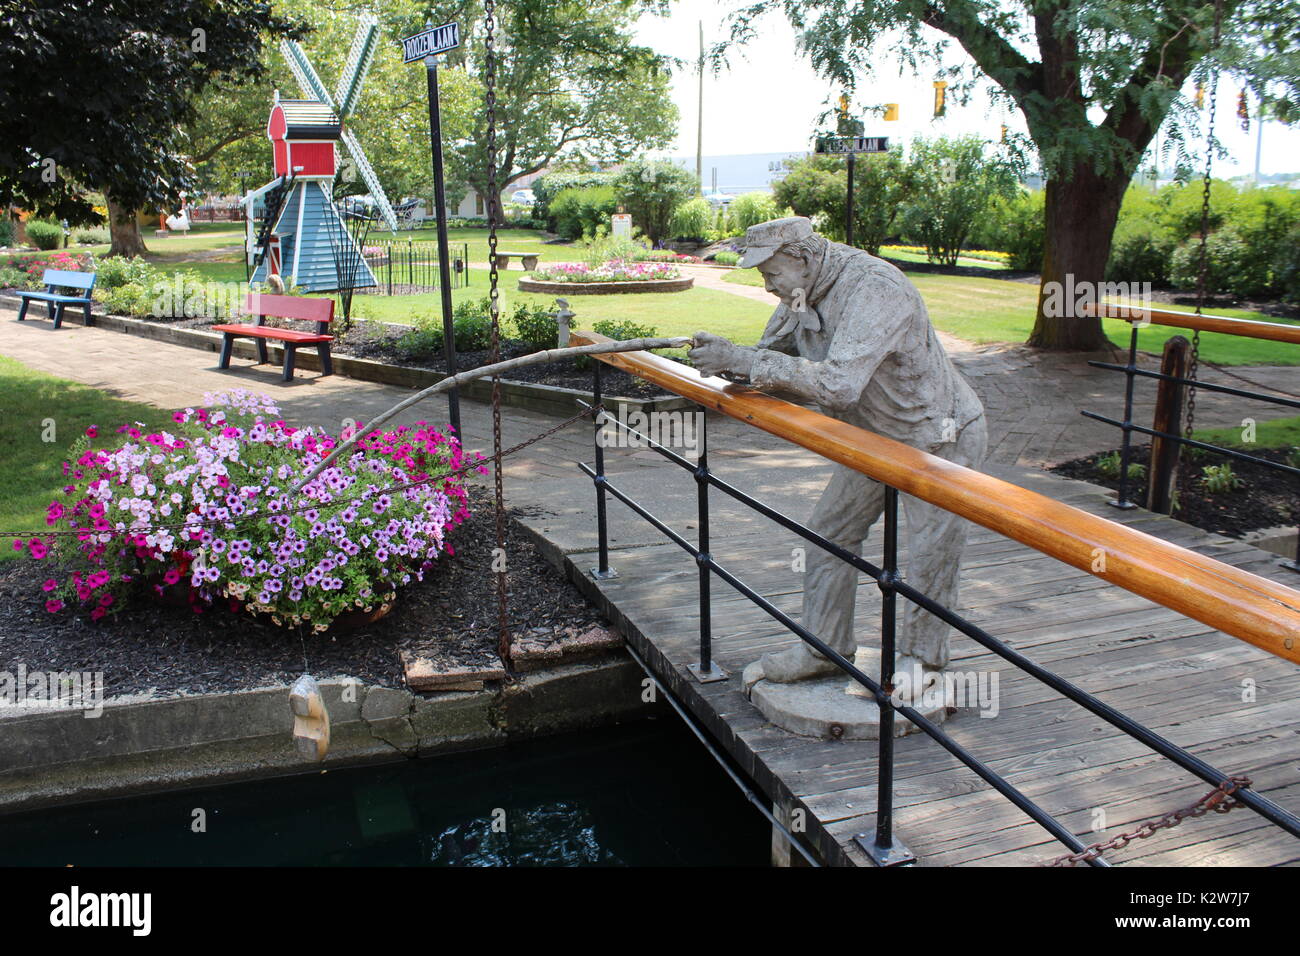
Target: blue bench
[(55, 300)]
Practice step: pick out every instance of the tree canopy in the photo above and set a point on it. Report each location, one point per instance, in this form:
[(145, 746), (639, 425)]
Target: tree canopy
[(96, 92), (1093, 79)]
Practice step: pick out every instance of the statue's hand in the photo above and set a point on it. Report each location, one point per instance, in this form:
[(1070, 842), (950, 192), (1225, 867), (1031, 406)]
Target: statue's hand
[(714, 354)]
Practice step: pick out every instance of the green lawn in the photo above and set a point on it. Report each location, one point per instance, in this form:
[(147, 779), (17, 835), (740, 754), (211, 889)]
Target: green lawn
[(671, 313), (996, 310), (30, 467), (902, 255), (1278, 433)]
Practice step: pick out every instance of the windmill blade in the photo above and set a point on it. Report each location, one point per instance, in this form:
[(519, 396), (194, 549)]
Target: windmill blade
[(359, 58), (305, 74), (371, 180)]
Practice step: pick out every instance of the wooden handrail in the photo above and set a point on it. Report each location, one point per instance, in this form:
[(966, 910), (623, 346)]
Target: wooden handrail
[(1244, 605), (1249, 328)]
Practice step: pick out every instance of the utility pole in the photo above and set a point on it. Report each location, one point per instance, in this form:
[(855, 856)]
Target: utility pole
[(699, 130)]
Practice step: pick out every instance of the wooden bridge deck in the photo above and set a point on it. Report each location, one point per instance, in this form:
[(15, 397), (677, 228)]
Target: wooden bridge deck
[(1187, 682)]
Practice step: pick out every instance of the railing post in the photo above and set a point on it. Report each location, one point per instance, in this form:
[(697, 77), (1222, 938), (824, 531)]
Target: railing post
[(1121, 501), (706, 672), (1168, 419), (602, 571), (883, 849)]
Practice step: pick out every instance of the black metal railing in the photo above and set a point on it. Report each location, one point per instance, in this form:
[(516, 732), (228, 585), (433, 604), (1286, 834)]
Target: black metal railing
[(411, 267), (1128, 426), (882, 846)]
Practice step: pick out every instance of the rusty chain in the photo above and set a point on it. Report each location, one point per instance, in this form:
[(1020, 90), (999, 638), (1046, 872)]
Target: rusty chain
[(494, 296), (1203, 264), (1220, 800)]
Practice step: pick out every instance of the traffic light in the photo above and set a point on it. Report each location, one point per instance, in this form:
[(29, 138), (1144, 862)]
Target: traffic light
[(1243, 110), (1004, 133), (940, 92), (891, 111), (844, 106), (1200, 96)]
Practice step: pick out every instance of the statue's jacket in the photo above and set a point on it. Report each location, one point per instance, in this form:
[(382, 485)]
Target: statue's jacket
[(863, 350)]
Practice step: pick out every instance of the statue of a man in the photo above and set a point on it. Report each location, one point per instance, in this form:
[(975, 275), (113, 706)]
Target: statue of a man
[(852, 336)]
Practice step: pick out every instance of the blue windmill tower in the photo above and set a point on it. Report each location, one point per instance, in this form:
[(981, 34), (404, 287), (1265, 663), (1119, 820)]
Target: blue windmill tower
[(303, 237)]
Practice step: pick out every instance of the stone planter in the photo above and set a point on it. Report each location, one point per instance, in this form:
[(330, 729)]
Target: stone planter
[(527, 284)]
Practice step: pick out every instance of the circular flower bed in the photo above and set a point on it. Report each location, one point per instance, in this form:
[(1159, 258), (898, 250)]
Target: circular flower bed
[(207, 512), (617, 275)]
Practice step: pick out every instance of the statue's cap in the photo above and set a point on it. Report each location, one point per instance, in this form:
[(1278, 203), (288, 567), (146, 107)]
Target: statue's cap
[(767, 237)]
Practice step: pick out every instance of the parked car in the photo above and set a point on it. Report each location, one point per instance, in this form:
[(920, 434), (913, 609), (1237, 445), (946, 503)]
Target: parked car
[(523, 196)]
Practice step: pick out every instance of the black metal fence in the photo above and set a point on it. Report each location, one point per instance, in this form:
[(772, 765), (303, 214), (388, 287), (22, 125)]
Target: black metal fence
[(1128, 426), (411, 267), (882, 846)]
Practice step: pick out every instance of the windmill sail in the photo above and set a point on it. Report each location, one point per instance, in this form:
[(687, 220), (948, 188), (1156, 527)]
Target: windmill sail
[(359, 58), (371, 180), (305, 73)]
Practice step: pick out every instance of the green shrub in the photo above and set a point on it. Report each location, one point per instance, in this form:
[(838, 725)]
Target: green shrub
[(753, 208), (1140, 252), (726, 258), (583, 211), (536, 326), (471, 324), (692, 219), (44, 234), (115, 271), (597, 252), (1109, 466), (620, 330), (91, 236), (1219, 479), (1286, 267), (11, 278), (547, 187), (7, 231), (652, 191), (1017, 226), (1229, 267)]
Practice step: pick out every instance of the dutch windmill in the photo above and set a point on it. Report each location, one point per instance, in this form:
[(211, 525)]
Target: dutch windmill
[(303, 237)]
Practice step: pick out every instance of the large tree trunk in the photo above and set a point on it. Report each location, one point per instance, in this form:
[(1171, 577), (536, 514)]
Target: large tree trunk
[(1080, 217), (123, 231)]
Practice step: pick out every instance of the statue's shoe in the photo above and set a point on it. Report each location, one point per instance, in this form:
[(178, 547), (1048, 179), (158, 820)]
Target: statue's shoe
[(785, 667)]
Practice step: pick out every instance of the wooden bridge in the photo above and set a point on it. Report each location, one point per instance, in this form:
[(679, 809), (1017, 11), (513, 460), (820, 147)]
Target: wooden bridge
[(1234, 705)]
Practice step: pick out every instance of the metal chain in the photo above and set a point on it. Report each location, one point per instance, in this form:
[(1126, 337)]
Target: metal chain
[(493, 197), (1203, 264), (1220, 800)]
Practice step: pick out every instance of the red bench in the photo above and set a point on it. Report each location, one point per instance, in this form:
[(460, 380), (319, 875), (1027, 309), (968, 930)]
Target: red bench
[(320, 311)]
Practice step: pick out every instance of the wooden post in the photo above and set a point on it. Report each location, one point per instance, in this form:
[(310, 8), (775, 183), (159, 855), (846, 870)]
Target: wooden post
[(1163, 469)]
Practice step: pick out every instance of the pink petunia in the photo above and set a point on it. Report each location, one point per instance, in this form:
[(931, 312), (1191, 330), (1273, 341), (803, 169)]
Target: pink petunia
[(92, 432), (50, 585), (54, 605)]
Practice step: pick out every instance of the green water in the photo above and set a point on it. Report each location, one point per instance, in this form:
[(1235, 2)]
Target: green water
[(643, 794)]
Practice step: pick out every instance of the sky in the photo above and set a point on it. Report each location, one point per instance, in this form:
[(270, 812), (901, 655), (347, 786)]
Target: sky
[(769, 99)]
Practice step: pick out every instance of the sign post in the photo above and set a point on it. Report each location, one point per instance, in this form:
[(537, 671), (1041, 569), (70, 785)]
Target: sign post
[(426, 46), (850, 146)]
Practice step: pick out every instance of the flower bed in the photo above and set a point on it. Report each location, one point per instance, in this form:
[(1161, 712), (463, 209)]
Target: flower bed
[(614, 276), (205, 514), (616, 270)]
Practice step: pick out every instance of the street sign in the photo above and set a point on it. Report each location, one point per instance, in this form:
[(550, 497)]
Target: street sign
[(621, 225), (838, 145), (431, 42)]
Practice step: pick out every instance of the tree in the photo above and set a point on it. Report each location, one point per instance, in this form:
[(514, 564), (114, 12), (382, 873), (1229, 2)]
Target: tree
[(817, 187), (957, 180), (95, 92), (651, 191), (570, 82), (1107, 75)]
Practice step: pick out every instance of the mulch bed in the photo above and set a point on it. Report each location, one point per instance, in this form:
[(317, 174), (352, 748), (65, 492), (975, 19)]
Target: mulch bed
[(450, 618), (1266, 499)]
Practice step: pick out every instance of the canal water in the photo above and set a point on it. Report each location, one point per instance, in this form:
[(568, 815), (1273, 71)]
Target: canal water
[(640, 794)]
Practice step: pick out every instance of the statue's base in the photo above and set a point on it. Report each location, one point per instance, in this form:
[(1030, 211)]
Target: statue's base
[(833, 707)]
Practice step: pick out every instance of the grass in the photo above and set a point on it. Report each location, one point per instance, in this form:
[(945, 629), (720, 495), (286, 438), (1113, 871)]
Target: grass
[(905, 256), (40, 406), (986, 311), (1276, 433), (671, 313)]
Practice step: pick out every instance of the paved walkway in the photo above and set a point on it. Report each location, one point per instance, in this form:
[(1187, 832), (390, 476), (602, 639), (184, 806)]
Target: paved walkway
[(1032, 399)]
